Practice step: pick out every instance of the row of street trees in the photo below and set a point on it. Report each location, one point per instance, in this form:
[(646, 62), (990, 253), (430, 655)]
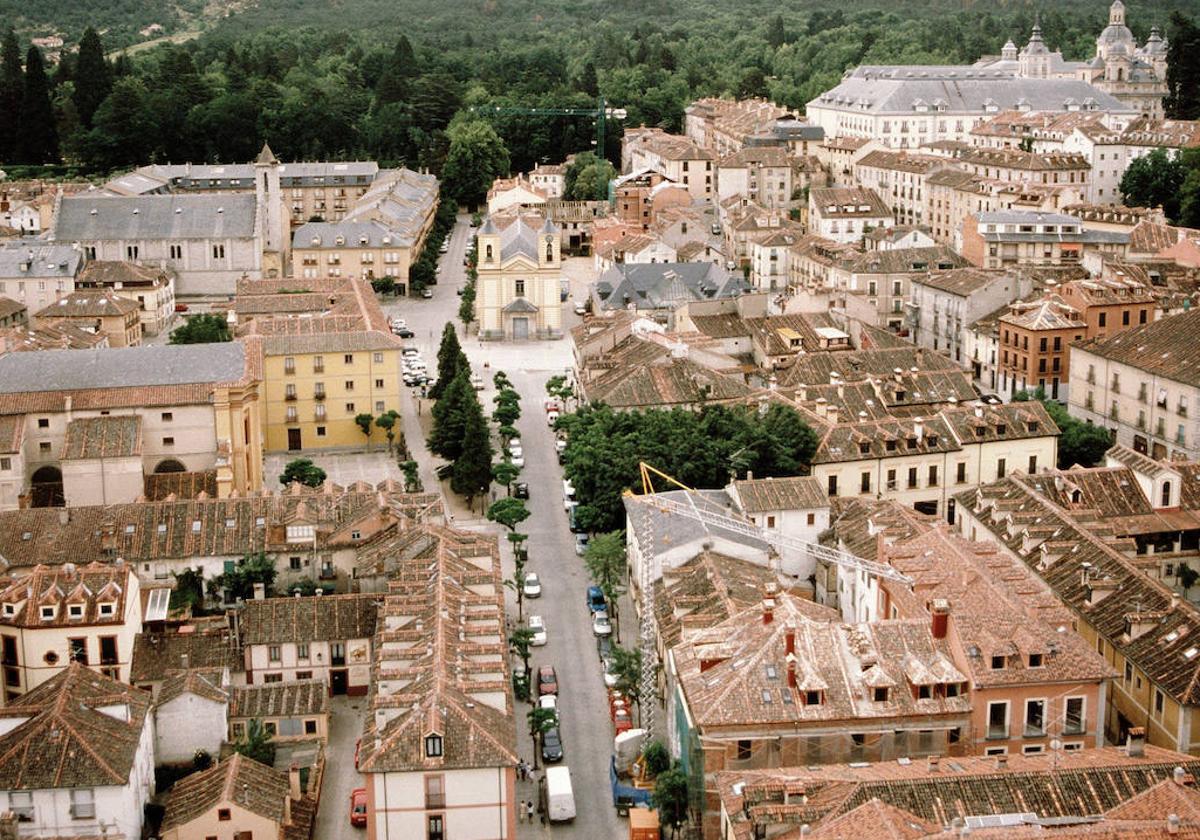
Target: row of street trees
[(460, 433)]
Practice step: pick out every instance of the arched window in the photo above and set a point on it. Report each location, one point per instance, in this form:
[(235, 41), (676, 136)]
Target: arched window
[(549, 252), (1166, 494), (488, 253)]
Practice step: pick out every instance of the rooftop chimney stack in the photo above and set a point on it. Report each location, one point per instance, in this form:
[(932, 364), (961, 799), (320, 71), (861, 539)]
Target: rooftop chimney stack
[(1135, 742), (789, 638), (768, 610), (940, 611)]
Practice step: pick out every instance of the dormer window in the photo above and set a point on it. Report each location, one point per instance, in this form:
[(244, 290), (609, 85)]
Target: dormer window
[(924, 692), (107, 609), (433, 746), (931, 439), (864, 448), (1001, 428), (75, 611), (1035, 660), (879, 694), (912, 443), (10, 609), (812, 698), (997, 663), (1032, 425), (890, 445), (48, 613)]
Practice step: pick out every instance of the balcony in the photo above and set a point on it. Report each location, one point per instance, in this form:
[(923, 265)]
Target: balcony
[(290, 396), (318, 395), (997, 731), (435, 801)]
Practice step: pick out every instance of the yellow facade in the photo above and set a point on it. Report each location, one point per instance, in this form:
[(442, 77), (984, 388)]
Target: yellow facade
[(312, 398), (388, 260)]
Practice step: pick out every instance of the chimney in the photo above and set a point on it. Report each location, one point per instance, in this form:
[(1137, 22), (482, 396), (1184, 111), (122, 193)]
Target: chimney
[(64, 515), (979, 411), (1135, 742), (1183, 778), (1172, 823), (768, 610), (919, 427), (898, 374), (8, 826), (1001, 761), (260, 591), (831, 413), (294, 783), (184, 661), (789, 639), (931, 764), (941, 617), (791, 669)]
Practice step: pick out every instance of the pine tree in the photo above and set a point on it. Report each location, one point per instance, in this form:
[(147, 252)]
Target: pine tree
[(37, 137), (587, 80), (451, 359), (393, 82), (450, 417), (93, 77), (1183, 69), (472, 474), (12, 90)]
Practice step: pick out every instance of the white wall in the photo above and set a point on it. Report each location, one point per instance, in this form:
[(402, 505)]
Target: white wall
[(478, 804), (186, 724)]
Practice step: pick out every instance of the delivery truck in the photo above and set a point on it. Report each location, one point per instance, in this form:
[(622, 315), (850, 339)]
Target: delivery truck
[(557, 798)]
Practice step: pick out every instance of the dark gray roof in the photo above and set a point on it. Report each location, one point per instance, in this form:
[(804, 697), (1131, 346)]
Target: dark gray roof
[(669, 530), (665, 285), (518, 238), (94, 217), (325, 235), (898, 90), (124, 367), (41, 259)]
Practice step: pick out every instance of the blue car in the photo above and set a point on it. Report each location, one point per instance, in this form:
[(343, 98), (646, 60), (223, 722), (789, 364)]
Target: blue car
[(595, 599)]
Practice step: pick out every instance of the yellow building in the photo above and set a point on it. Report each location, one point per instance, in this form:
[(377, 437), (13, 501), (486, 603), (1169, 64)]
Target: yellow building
[(327, 358), (520, 271)]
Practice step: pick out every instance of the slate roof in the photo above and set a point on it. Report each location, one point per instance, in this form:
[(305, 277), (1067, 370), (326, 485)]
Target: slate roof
[(237, 780), (667, 530), (103, 437), (325, 618), (895, 89), (280, 699), (1167, 347), (45, 260), (65, 740), (122, 367), (152, 217), (324, 236), (665, 285), (785, 493)]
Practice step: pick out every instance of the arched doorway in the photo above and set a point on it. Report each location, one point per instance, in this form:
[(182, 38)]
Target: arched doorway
[(46, 488), (170, 465)]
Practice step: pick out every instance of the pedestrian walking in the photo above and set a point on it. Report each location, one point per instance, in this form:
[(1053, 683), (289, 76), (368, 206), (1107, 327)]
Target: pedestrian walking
[(529, 811), (521, 811)]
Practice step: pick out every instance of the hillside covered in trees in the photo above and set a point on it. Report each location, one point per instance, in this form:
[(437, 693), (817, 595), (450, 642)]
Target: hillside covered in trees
[(342, 81)]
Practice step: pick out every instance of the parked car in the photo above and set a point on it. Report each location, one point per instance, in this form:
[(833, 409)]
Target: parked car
[(568, 494), (517, 459), (547, 680), (580, 308), (427, 293), (548, 701), (601, 626), (520, 490), (552, 750), (533, 585), (595, 599), (404, 332), (445, 246), (610, 674), (514, 448), (358, 808), (398, 323), (551, 418), (581, 544), (538, 625), (560, 445), (409, 352), (477, 382)]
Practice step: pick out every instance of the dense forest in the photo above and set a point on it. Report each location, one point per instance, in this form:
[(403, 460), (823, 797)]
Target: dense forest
[(397, 81)]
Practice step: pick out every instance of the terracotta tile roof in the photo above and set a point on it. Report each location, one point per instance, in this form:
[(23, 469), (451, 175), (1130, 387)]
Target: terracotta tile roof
[(204, 683), (886, 438), (815, 368), (280, 699), (161, 487), (876, 819), (1149, 237), (712, 587), (902, 161), (672, 147), (10, 307), (1018, 159), (442, 665), (339, 318), (992, 423), (317, 618), (111, 272), (1081, 784), (856, 522), (158, 656), (640, 372), (1049, 313), (238, 781), (997, 608), (78, 729), (1177, 134), (907, 260), (89, 303), (103, 437), (85, 588), (736, 673), (1140, 617), (962, 281), (61, 335), (846, 202), (12, 433), (769, 494), (1167, 347), (143, 531)]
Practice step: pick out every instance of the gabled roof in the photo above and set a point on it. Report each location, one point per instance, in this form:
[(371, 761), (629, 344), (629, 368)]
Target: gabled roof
[(279, 699), (204, 683), (102, 437), (89, 218), (78, 729), (1169, 347), (84, 587), (273, 621), (785, 493), (160, 656), (237, 781)]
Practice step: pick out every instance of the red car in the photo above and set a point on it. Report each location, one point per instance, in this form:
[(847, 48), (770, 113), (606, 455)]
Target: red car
[(547, 680), (358, 808)]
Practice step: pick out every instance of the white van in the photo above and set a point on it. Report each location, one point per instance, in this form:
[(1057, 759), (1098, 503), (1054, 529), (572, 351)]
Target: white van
[(558, 800)]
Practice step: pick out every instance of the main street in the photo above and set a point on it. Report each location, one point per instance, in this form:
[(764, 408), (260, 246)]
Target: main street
[(586, 729)]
